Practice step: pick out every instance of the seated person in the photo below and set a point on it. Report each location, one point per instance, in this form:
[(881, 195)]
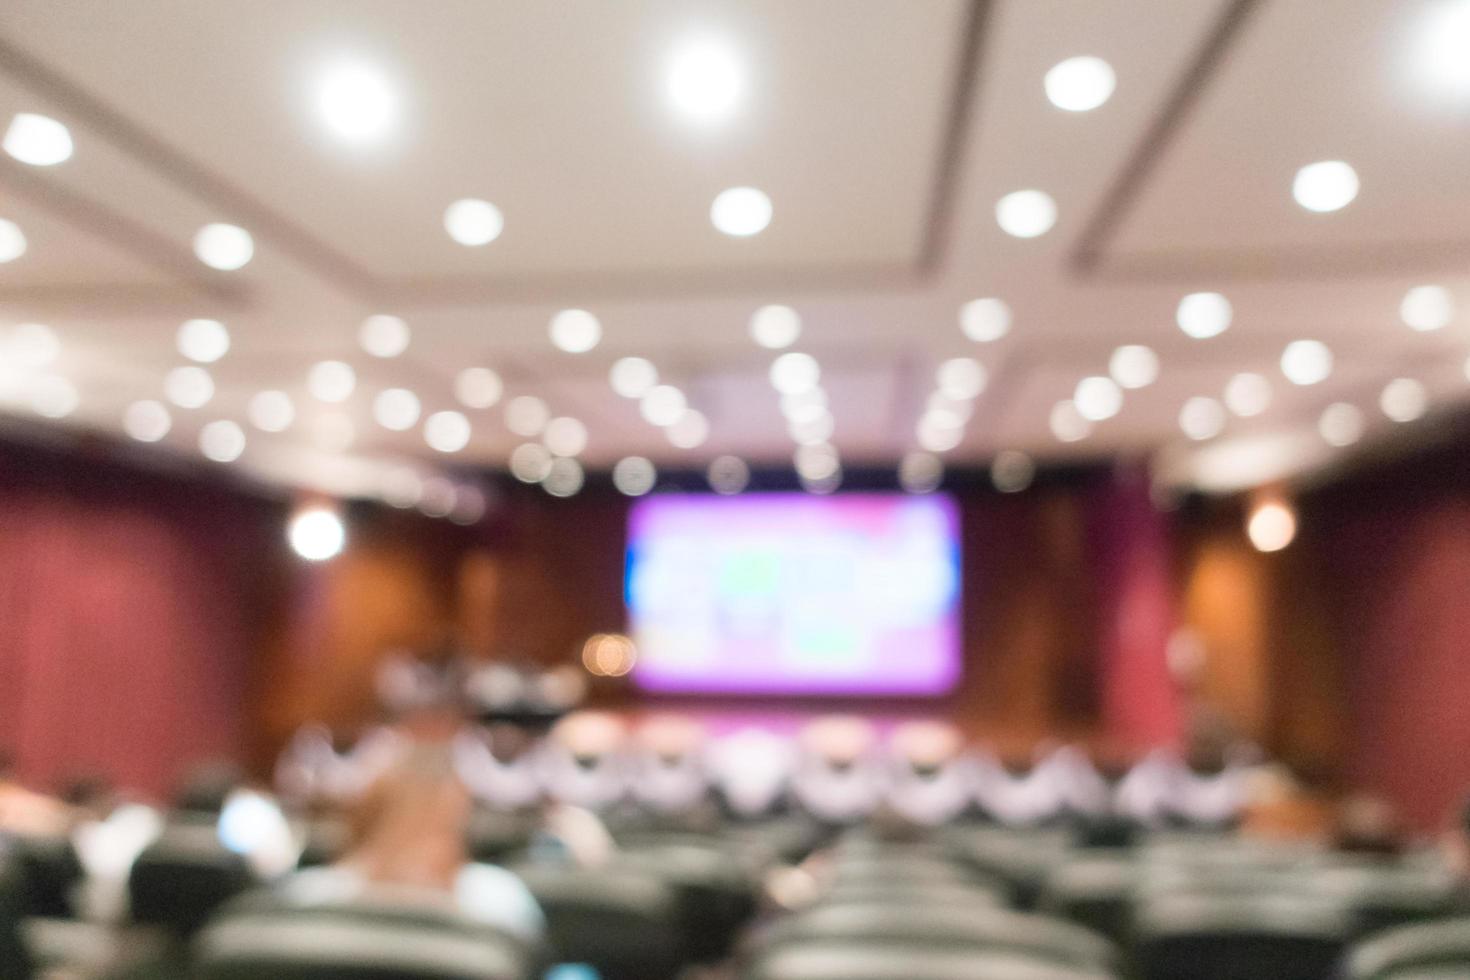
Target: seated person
[(668, 768), (1368, 825), (929, 778), (837, 779), (26, 812), (1018, 794), (582, 764), (407, 845), (498, 765), (750, 772)]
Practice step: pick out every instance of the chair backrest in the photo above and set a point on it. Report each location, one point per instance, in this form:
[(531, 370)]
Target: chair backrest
[(1096, 891), (49, 871), (333, 944), (1442, 945), (974, 927), (621, 921), (181, 878), (716, 895), (846, 961), (14, 961), (1211, 936)]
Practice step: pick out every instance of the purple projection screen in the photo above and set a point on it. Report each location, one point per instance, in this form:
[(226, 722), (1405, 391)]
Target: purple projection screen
[(798, 594)]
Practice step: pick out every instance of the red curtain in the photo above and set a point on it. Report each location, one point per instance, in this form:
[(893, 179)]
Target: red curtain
[(129, 609)]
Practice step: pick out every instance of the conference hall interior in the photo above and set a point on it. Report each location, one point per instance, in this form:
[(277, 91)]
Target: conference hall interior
[(735, 490)]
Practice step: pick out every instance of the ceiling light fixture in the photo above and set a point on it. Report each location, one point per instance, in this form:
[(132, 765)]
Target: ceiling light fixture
[(383, 336), (985, 320), (12, 241), (473, 222), (1306, 362), (1026, 214), (775, 327), (356, 101), (1325, 186), (1080, 84), (575, 331), (705, 83), (1426, 308), (205, 341), (1134, 366), (38, 140), (224, 247), (1204, 315), (741, 211)]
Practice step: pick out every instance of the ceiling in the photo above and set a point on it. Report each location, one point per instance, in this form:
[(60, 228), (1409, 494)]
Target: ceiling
[(884, 133)]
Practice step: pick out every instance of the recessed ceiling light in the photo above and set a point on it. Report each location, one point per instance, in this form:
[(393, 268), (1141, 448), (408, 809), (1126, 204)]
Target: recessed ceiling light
[(1248, 394), (775, 327), (222, 441), (271, 411), (920, 472), (663, 405), (565, 436), (563, 478), (1426, 308), (728, 475), (575, 331), (1134, 366), (473, 222), (957, 410), (526, 415), (32, 345), (478, 387), (1403, 400), (1306, 362), (632, 377), (961, 378), (816, 462), (1438, 56), (356, 101), (396, 409), (1068, 424), (938, 433), (1272, 526), (1341, 424), (1012, 471), (705, 82), (316, 534), (810, 429), (38, 140), (1080, 84), (448, 432), (437, 499), (1202, 418), (147, 420), (1026, 214), (205, 341), (530, 462), (985, 320), (1328, 185), (795, 372), (741, 211), (402, 488), (382, 335), (331, 381), (12, 241), (634, 476), (1097, 398), (690, 431), (224, 247), (188, 387), (53, 396), (1204, 315)]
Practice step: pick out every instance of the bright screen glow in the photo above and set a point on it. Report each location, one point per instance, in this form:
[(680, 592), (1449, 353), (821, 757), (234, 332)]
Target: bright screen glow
[(854, 594)]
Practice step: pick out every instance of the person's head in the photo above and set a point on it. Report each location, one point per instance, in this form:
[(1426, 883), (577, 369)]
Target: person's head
[(671, 738), (590, 735), (409, 827), (926, 746), (1368, 824), (839, 740)]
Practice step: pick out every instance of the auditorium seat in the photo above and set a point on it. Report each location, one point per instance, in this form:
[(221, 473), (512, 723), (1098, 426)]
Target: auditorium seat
[(716, 894), (1096, 891), (181, 878), (49, 872), (846, 961), (14, 962), (957, 894), (1420, 951), (622, 922), (1022, 857), (1385, 896), (333, 944), (937, 927), (1212, 936)]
